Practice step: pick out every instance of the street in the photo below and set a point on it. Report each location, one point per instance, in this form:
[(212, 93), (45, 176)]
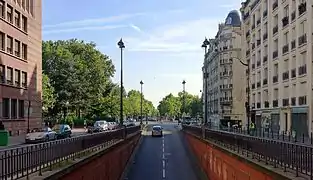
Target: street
[(162, 157)]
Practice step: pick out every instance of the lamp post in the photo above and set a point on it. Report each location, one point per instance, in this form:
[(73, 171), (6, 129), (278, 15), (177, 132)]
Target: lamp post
[(141, 97), (184, 94), (28, 116), (121, 46), (205, 45), (247, 104), (42, 114)]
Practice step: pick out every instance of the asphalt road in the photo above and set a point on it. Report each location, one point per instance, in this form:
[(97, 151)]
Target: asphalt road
[(162, 157)]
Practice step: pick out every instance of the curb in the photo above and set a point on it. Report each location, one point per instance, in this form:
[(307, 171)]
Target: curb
[(131, 160)]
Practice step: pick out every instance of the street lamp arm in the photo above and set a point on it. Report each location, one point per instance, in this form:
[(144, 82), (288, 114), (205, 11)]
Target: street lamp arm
[(245, 64)]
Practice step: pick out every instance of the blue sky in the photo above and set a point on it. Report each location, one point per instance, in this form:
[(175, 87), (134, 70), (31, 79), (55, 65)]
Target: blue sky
[(162, 37)]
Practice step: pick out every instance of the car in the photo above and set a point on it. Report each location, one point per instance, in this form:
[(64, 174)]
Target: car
[(40, 135), (112, 125), (62, 130), (100, 126), (157, 131)]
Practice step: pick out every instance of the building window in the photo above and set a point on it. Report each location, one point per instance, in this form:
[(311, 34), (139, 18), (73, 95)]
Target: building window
[(10, 14), (21, 109), (2, 9), (17, 18), (13, 108), (23, 4), (17, 49), (9, 44), (2, 41), (2, 73), (17, 77), (24, 23), (6, 108), (9, 77), (24, 79), (27, 5), (24, 51)]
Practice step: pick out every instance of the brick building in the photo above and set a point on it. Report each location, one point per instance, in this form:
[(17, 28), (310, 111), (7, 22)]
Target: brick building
[(20, 64)]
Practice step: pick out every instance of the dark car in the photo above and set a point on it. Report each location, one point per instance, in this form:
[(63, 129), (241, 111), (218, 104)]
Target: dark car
[(157, 131), (63, 131)]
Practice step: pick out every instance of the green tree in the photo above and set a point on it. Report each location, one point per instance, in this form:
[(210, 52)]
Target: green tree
[(47, 94), (169, 106), (79, 73)]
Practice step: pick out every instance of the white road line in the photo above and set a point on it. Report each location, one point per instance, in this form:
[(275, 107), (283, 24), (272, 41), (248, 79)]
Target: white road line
[(163, 173), (163, 164), (163, 150), (163, 159)]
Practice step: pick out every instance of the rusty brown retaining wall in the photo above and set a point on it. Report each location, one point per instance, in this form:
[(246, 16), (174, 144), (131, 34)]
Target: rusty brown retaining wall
[(108, 164)]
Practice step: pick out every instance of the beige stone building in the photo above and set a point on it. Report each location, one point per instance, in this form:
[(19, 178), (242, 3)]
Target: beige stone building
[(225, 74), (277, 44), (20, 64)]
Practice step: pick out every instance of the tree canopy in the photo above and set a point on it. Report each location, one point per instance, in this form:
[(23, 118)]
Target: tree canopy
[(77, 79), (173, 106)]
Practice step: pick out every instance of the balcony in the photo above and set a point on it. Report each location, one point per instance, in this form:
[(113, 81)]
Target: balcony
[(293, 73), (285, 48), (293, 15), (265, 82), (265, 59), (275, 29), (275, 79), (258, 42), (302, 39), (302, 8), (275, 54), (275, 5), (286, 75), (266, 104), (253, 46), (258, 105), (293, 101), (302, 70), (253, 86), (258, 84), (275, 103), (285, 21), (264, 13), (265, 36), (258, 63), (293, 44)]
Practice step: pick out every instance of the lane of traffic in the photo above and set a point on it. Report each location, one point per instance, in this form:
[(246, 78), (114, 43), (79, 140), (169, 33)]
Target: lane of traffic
[(162, 158), (148, 164)]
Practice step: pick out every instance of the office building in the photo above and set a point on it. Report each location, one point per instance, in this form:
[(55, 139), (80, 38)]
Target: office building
[(20, 64), (277, 45), (225, 75)]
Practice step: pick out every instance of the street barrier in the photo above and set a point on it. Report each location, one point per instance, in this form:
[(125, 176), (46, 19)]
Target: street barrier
[(290, 157), (19, 162)]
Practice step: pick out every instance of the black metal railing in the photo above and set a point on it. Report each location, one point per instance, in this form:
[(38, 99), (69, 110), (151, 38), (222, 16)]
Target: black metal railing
[(276, 152), (19, 162)]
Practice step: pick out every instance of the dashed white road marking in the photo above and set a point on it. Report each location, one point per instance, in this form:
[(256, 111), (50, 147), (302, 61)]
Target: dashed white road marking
[(163, 159)]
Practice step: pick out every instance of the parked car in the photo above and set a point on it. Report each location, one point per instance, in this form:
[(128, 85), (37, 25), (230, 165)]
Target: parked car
[(100, 126), (62, 130), (41, 135), (112, 125)]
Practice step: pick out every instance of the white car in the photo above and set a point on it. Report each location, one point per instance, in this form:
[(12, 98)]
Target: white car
[(41, 135), (101, 126)]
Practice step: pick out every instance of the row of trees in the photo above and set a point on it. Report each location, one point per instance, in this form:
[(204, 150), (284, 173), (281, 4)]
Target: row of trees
[(173, 106), (77, 82)]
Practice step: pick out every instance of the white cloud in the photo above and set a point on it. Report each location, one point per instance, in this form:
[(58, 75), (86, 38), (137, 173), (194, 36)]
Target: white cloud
[(92, 28), (94, 21), (182, 37), (136, 28)]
